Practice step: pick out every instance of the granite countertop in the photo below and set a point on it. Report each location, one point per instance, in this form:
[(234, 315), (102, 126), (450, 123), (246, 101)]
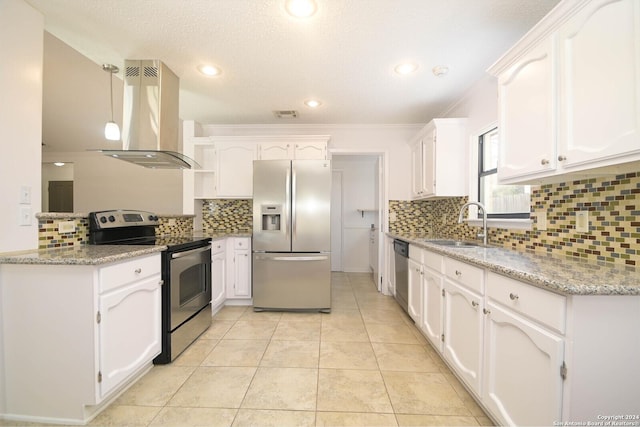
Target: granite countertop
[(86, 254), (79, 255), (561, 274)]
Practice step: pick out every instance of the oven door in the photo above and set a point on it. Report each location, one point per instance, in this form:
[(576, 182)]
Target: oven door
[(190, 283)]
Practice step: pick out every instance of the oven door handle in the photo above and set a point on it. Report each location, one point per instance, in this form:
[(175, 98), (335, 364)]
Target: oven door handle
[(191, 252)]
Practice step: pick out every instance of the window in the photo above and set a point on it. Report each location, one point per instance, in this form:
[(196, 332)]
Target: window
[(501, 201)]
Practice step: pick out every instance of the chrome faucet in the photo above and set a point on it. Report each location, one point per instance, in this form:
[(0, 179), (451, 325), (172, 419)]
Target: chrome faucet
[(484, 233)]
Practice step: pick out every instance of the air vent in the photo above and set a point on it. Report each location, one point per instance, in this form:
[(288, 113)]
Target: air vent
[(132, 71), (286, 114), (150, 71)]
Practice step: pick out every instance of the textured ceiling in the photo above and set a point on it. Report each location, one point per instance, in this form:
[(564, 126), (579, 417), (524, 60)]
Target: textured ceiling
[(344, 55)]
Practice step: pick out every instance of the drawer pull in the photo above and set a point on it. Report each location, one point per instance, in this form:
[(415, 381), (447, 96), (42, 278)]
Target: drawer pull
[(513, 296), (474, 304), (562, 158), (458, 273), (485, 311), (138, 270), (544, 162)]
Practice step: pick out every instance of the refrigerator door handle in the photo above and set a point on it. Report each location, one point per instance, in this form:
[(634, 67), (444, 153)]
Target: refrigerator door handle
[(288, 204), (301, 258), (293, 203)]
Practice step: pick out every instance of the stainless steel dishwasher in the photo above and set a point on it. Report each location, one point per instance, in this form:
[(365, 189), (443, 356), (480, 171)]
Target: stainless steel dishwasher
[(401, 249)]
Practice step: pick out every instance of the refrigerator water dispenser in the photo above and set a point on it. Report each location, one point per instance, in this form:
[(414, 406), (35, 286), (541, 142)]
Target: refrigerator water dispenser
[(271, 217)]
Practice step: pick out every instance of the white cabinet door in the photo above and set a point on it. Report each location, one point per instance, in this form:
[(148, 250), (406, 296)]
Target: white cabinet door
[(310, 150), (276, 150), (218, 274), (242, 273), (526, 111), (129, 330), (429, 165), (522, 384), (416, 169), (415, 291), (235, 169), (463, 332), (239, 268), (600, 83), (432, 307)]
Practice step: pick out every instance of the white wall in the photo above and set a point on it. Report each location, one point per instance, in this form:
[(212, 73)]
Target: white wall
[(20, 130), (480, 107), (102, 183), (359, 177)]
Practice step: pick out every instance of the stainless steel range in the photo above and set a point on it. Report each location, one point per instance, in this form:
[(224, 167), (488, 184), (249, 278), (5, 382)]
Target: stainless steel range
[(186, 272)]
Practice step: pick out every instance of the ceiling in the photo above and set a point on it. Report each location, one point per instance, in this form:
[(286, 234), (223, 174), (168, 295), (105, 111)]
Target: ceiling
[(343, 56)]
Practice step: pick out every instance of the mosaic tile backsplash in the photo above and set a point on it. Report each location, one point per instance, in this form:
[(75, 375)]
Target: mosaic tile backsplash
[(49, 235), (614, 223), (227, 215)]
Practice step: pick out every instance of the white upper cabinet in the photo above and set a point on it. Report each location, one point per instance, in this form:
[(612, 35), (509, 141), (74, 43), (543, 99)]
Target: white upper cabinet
[(234, 166), (437, 159), (569, 94), (599, 50), (300, 147), (527, 114)]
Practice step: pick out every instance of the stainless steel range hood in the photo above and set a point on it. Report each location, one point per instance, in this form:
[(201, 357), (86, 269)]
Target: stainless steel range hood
[(150, 122)]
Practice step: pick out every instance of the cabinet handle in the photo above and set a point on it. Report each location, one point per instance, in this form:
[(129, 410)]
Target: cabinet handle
[(474, 304), (458, 273), (485, 311), (544, 162), (562, 158), (161, 282), (513, 296), (138, 270)]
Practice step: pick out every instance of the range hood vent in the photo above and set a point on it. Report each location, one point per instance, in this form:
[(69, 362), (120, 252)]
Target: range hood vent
[(150, 123)]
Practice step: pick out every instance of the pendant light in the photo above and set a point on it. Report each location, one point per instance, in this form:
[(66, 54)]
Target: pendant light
[(111, 129)]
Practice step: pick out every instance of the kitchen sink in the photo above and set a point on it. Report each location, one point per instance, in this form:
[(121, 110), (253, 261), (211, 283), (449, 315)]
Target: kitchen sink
[(455, 243)]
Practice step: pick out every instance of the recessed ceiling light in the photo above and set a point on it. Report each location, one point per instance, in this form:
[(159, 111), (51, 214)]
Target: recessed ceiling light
[(406, 68), (209, 70), (312, 103), (58, 163), (301, 8), (440, 70)]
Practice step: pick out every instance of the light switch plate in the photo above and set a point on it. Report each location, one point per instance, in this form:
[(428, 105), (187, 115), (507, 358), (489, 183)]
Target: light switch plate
[(392, 217), (24, 215), (582, 221), (25, 195)]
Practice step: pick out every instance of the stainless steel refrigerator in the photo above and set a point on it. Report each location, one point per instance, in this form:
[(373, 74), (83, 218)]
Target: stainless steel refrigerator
[(291, 235)]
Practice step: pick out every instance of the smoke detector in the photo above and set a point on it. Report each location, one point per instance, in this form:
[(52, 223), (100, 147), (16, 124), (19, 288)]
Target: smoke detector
[(285, 114)]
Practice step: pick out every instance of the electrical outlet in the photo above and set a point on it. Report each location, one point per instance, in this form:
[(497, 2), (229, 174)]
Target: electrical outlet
[(444, 219), (582, 221), (171, 222), (392, 217), (66, 227), (541, 221)]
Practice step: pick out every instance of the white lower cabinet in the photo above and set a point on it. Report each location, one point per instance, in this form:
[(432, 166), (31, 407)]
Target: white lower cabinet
[(239, 268), (530, 356), (432, 305), (218, 274), (414, 306), (79, 334), (522, 378), (463, 332)]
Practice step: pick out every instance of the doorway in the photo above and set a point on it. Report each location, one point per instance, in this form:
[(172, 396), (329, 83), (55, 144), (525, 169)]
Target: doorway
[(358, 212), (60, 196)]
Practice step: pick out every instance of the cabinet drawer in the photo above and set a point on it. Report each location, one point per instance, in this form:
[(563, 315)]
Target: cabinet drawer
[(415, 253), (241, 243), (432, 260), (125, 272), (542, 306), (465, 274), (217, 246)]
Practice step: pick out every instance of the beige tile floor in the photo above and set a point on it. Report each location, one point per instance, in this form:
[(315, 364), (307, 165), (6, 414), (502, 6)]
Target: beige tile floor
[(365, 364)]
